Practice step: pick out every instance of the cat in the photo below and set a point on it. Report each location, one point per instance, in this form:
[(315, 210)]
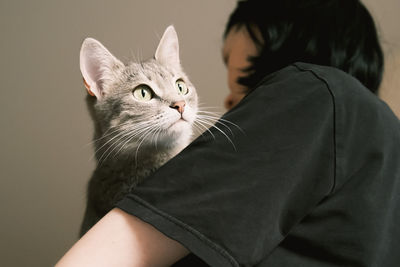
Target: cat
[(144, 114)]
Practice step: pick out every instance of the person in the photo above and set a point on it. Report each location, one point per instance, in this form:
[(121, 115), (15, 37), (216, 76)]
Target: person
[(313, 178)]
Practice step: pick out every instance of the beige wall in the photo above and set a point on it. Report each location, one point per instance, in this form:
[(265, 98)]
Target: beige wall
[(386, 14), (45, 161)]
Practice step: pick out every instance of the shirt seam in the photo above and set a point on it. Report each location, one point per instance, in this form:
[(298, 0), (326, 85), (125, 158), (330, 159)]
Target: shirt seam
[(334, 121), (188, 228)]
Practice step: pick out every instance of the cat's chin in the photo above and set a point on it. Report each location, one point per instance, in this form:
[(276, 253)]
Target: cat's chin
[(177, 133), (178, 128), (180, 123)]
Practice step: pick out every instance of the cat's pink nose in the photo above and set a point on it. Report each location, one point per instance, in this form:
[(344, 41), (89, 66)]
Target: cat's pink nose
[(179, 106)]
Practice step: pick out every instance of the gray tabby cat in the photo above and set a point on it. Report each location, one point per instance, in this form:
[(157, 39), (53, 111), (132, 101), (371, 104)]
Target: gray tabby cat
[(143, 114)]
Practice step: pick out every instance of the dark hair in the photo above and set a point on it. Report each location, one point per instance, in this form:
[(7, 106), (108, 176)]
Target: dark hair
[(337, 33)]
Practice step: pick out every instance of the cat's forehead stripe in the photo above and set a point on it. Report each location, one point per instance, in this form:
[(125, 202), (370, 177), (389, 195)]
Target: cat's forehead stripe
[(161, 74)]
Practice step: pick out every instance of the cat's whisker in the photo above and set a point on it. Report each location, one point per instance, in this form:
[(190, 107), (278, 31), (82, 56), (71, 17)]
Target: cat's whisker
[(215, 121), (205, 127), (127, 133), (156, 134), (125, 140), (212, 125), (152, 137), (209, 112), (150, 128), (199, 129), (108, 133), (112, 146), (137, 132), (210, 115), (201, 104), (136, 55), (123, 131), (158, 129), (105, 135), (130, 138), (233, 124), (137, 149), (222, 122)]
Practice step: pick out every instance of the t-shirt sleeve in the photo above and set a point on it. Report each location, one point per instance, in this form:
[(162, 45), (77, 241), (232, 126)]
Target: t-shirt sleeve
[(232, 196)]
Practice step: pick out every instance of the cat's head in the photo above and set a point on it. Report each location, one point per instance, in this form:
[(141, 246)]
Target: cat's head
[(139, 103)]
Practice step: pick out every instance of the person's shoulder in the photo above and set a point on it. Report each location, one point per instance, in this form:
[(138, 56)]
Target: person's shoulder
[(350, 100), (292, 87), (290, 81), (346, 90), (287, 90), (302, 78), (322, 71), (340, 83)]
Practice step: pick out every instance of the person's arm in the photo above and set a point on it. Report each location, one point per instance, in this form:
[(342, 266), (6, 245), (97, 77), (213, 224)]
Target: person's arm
[(120, 239)]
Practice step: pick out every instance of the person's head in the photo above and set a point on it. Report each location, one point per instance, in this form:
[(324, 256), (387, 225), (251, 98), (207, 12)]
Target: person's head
[(273, 34)]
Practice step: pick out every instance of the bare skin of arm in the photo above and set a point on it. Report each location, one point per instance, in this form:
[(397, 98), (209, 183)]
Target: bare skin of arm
[(120, 239)]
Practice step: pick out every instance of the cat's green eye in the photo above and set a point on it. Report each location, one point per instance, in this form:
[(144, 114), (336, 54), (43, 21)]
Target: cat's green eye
[(143, 93), (182, 88)]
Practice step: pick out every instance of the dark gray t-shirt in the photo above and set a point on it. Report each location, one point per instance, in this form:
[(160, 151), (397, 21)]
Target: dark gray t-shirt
[(312, 179)]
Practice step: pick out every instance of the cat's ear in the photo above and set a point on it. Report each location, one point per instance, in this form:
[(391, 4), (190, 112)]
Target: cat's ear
[(168, 49), (98, 66)]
